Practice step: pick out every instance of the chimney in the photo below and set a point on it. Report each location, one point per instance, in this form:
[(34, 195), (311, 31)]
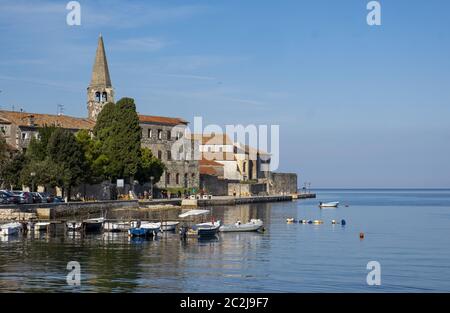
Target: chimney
[(31, 120)]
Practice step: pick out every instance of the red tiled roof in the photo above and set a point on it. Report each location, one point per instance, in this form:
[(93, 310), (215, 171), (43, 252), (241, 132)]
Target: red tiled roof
[(39, 120), (204, 162), (213, 139), (162, 120)]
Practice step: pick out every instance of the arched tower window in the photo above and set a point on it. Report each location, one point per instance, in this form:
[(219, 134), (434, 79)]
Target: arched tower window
[(104, 97), (97, 96)]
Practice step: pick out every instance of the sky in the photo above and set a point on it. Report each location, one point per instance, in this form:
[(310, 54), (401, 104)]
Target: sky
[(358, 106)]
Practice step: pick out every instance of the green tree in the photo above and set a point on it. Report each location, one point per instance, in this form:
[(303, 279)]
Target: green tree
[(37, 149), (119, 135), (11, 170), (149, 166), (67, 156)]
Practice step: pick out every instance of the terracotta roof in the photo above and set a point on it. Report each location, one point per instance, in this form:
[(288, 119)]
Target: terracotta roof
[(39, 120), (162, 120), (219, 156), (204, 162), (213, 139), (211, 168)]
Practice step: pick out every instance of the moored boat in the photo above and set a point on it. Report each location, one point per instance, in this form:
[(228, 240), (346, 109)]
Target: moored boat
[(116, 226), (169, 226), (145, 229), (208, 229), (11, 229), (329, 205), (253, 225)]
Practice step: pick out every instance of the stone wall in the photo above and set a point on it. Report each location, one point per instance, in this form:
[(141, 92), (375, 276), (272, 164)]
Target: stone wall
[(214, 185), (240, 189), (161, 145), (282, 183)]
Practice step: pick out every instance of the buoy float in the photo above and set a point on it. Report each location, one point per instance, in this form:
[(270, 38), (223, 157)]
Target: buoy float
[(361, 235), (343, 222)]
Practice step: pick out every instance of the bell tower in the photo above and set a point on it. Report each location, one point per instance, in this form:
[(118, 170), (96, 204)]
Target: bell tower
[(100, 90)]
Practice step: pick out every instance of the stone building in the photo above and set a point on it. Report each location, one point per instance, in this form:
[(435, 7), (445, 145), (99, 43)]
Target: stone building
[(19, 127)]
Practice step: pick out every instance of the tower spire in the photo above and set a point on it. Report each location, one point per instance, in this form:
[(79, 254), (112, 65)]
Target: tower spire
[(100, 90), (100, 71)]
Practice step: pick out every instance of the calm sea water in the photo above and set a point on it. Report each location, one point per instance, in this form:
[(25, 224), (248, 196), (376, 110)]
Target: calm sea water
[(407, 231)]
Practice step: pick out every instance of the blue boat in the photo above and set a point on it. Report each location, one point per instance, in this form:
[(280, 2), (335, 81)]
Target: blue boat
[(145, 230)]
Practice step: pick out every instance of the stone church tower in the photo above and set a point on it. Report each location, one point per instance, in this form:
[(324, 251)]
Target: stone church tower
[(100, 90)]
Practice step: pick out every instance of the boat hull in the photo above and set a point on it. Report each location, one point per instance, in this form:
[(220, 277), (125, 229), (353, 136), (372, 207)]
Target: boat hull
[(169, 226), (10, 229), (248, 227)]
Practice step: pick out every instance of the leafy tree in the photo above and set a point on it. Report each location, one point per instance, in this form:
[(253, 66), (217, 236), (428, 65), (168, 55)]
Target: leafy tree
[(11, 169), (67, 156), (149, 166), (119, 135), (37, 149)]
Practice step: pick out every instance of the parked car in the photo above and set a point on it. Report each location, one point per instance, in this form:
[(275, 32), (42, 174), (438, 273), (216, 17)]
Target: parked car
[(37, 198), (25, 197), (58, 199), (10, 197), (47, 197)]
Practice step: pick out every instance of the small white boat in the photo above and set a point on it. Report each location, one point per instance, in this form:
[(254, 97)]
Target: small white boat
[(41, 226), (253, 225), (10, 229), (116, 226), (329, 205), (169, 226)]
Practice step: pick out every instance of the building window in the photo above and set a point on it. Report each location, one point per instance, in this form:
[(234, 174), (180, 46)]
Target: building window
[(159, 134), (244, 167), (104, 97), (160, 155), (177, 179), (149, 133), (179, 135), (24, 136), (169, 135), (185, 180), (168, 178), (3, 129), (169, 155), (97, 96)]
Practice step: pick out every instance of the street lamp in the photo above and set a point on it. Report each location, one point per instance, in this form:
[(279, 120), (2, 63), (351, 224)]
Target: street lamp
[(32, 174)]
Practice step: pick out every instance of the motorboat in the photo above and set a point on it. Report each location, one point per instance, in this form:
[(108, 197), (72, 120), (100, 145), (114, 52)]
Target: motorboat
[(89, 225), (202, 230), (169, 226), (208, 229), (253, 225), (329, 205), (145, 229), (291, 220), (11, 229), (93, 224), (116, 227)]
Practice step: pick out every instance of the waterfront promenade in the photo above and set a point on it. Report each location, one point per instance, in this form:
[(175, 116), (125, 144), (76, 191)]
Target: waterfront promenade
[(50, 211)]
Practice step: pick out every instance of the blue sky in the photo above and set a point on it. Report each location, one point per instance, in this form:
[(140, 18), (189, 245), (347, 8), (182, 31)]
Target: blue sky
[(357, 106)]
